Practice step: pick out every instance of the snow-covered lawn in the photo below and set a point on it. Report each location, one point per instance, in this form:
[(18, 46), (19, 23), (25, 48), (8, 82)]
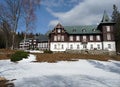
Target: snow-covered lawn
[(82, 73)]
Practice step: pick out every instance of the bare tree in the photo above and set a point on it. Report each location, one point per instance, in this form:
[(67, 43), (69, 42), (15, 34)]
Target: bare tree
[(10, 12), (7, 33), (29, 8)]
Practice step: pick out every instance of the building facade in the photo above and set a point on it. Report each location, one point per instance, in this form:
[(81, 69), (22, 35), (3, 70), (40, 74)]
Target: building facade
[(37, 42), (88, 37)]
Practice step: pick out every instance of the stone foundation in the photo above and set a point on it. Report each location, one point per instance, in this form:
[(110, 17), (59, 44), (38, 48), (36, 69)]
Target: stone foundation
[(93, 52)]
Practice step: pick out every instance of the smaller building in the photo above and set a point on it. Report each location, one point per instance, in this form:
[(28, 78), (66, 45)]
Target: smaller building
[(37, 43), (42, 41), (29, 43)]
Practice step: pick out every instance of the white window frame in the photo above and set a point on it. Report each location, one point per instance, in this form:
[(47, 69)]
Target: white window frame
[(62, 46), (62, 38), (98, 46), (109, 46), (55, 46), (84, 46), (71, 46), (84, 38), (71, 38), (108, 36), (78, 46), (58, 37), (77, 38), (91, 46), (108, 28), (55, 38), (98, 37), (59, 30), (91, 37)]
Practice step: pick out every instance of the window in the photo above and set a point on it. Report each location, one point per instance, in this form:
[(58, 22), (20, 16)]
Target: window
[(108, 36), (58, 37), (98, 37), (83, 30), (62, 46), (59, 30), (55, 46), (108, 28), (109, 46), (98, 46), (77, 38), (78, 46), (62, 38), (55, 38), (71, 46), (74, 30), (71, 38), (91, 37), (91, 46), (84, 46), (84, 39)]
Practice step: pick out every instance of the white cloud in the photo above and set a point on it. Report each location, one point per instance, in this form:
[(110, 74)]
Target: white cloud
[(53, 23), (85, 13), (52, 3)]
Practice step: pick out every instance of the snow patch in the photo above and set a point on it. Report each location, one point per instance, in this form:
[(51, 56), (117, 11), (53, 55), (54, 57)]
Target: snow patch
[(82, 73)]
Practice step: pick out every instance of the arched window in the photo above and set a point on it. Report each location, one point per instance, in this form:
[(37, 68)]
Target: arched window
[(71, 46), (78, 46), (62, 46), (55, 46)]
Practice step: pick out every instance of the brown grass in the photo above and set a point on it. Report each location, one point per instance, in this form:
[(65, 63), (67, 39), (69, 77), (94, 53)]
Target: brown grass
[(117, 57), (5, 83), (5, 53), (68, 57)]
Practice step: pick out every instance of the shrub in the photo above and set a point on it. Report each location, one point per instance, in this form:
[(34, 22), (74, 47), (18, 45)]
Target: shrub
[(19, 55), (48, 51)]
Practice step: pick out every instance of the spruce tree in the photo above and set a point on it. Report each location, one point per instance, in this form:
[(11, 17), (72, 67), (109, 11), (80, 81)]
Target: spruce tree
[(116, 19)]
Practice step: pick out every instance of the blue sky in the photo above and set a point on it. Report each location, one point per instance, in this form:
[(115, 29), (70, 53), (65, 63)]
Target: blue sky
[(70, 12)]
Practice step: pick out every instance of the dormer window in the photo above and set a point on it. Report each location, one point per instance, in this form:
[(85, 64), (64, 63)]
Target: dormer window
[(83, 30), (74, 30), (93, 29), (59, 30)]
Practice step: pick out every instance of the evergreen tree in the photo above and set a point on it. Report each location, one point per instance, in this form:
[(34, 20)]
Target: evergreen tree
[(115, 13), (116, 19)]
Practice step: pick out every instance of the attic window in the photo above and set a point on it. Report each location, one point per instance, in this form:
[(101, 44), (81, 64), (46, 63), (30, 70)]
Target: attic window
[(93, 29), (83, 30), (74, 30), (59, 30)]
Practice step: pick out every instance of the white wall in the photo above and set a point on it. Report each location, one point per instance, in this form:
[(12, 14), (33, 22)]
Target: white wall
[(58, 46), (113, 46), (95, 45), (67, 45)]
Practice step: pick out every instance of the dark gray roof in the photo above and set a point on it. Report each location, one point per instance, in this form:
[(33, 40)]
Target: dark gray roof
[(82, 29), (41, 38), (106, 18)]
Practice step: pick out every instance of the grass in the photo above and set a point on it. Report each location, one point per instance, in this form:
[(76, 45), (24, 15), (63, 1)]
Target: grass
[(5, 83), (69, 57), (54, 57), (117, 57), (6, 53)]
